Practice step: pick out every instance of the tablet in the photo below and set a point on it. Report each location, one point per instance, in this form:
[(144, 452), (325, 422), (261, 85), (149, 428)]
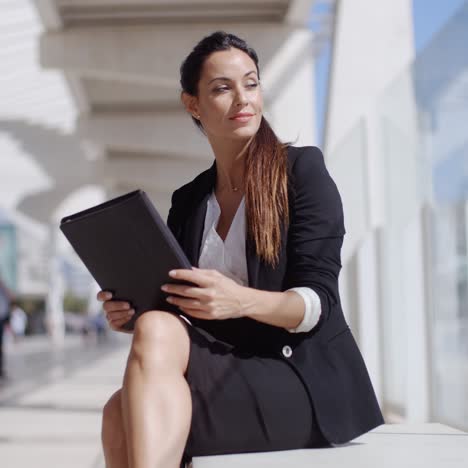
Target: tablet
[(129, 251)]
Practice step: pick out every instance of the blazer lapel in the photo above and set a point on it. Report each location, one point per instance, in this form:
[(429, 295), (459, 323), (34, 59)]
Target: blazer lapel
[(195, 225), (196, 217)]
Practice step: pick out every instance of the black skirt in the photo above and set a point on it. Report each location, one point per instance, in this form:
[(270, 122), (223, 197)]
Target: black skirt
[(242, 402)]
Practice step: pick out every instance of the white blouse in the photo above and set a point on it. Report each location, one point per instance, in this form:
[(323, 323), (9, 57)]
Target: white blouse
[(229, 258)]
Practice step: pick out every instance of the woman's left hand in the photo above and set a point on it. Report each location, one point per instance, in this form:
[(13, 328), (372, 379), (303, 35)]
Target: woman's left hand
[(217, 297)]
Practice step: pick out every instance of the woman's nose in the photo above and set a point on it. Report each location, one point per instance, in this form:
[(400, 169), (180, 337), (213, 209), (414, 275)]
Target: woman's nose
[(241, 97), (241, 102)]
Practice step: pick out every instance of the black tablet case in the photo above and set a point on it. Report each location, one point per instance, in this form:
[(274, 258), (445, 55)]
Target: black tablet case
[(128, 249)]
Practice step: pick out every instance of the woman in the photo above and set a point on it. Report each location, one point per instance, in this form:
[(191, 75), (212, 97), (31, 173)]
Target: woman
[(258, 356)]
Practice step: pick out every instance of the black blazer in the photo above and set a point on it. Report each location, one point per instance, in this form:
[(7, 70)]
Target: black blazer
[(326, 358)]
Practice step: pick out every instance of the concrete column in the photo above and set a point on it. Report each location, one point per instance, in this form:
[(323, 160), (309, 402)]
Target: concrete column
[(373, 44), (55, 321), (414, 303), (368, 322)]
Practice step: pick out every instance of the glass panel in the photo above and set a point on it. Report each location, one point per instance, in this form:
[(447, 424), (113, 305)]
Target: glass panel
[(422, 119), (443, 102)]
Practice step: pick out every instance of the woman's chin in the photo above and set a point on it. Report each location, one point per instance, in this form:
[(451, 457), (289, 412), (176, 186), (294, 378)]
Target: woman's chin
[(242, 132)]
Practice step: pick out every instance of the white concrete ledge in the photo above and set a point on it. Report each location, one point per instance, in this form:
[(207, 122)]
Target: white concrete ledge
[(388, 446)]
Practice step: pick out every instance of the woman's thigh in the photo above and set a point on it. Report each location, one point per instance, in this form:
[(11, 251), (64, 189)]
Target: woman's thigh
[(244, 403)]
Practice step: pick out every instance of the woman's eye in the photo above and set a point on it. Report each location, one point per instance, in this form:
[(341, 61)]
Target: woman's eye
[(224, 88)]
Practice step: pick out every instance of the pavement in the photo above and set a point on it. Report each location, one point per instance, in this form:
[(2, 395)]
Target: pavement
[(51, 404)]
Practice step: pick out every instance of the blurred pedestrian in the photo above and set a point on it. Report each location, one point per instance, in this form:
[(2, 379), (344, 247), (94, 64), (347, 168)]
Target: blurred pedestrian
[(18, 321), (5, 299)]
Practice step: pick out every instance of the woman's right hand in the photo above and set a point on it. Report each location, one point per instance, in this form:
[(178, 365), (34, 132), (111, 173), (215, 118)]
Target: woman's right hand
[(118, 313)]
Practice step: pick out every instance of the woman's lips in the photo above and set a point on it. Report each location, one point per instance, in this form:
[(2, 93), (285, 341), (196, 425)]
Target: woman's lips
[(242, 118)]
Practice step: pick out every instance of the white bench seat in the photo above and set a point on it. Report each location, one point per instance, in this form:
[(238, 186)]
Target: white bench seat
[(427, 445)]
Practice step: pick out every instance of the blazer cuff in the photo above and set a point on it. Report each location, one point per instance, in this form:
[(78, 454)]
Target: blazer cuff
[(313, 309)]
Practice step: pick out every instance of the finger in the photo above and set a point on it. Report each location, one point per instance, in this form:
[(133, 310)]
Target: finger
[(194, 276), (118, 322), (120, 314), (196, 313), (208, 271), (104, 296), (110, 306), (117, 325), (183, 290), (181, 302)]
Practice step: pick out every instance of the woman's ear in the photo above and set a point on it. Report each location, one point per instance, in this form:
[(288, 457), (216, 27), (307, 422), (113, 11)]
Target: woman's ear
[(190, 103)]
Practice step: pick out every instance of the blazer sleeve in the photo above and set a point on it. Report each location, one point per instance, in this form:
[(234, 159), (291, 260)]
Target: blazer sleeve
[(316, 230)]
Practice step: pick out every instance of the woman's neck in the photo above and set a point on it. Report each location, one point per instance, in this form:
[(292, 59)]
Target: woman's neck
[(229, 166)]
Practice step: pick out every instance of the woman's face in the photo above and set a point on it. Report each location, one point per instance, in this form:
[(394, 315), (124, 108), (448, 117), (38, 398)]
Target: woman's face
[(229, 85)]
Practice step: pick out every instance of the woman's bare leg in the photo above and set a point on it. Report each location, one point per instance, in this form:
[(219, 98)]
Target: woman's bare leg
[(113, 435), (156, 399)]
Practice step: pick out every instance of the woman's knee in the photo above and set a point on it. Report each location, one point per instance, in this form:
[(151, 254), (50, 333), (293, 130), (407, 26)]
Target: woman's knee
[(113, 435), (161, 337)]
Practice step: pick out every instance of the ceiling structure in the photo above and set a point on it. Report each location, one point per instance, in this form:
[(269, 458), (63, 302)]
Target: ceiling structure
[(121, 59)]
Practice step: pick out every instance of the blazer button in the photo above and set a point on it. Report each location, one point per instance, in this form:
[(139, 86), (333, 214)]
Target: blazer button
[(287, 351)]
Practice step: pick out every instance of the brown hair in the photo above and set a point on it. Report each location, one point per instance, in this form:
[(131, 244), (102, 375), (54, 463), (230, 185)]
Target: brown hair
[(266, 178)]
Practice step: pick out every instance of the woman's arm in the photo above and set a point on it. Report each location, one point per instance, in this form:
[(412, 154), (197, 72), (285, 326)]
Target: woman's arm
[(310, 312), (281, 309)]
